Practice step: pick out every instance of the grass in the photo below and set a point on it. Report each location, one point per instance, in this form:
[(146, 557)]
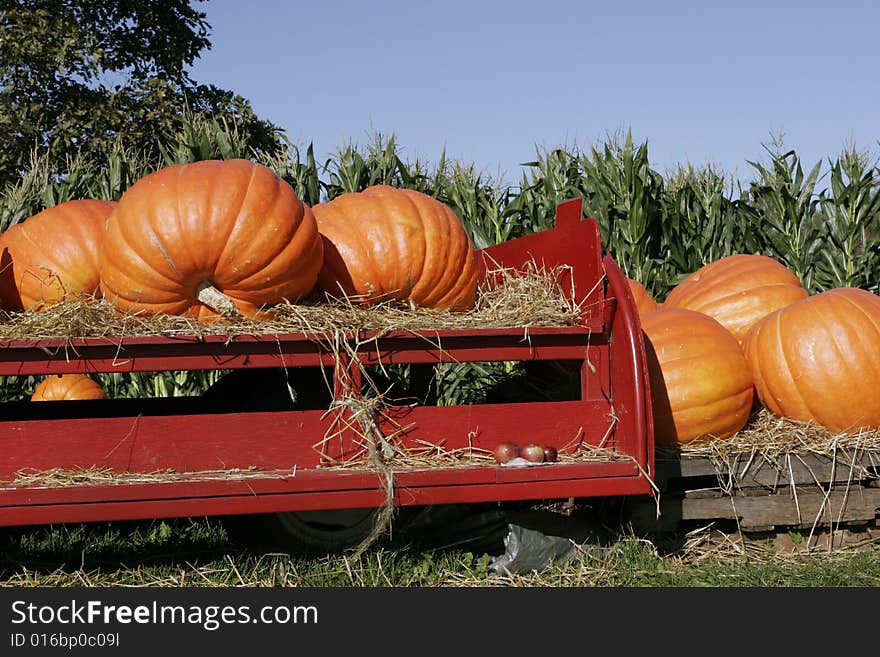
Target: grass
[(213, 553)]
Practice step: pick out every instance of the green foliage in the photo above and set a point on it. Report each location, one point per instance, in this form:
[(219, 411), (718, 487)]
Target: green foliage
[(379, 164), (482, 204), (553, 177), (74, 76), (626, 193), (303, 175), (851, 216), (700, 223), (785, 219)]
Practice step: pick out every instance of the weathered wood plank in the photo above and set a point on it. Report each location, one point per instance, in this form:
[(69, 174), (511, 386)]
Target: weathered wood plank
[(757, 471), (805, 507)]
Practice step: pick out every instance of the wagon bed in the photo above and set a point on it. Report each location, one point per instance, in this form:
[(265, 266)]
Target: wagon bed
[(121, 459)]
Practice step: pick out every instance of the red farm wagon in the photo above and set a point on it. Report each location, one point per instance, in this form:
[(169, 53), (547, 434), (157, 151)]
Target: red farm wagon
[(174, 458)]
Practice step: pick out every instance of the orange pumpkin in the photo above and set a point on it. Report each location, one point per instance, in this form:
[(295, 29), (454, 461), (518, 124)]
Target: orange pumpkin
[(206, 238), (738, 290), (388, 243), (52, 255), (818, 360), (645, 303), (700, 381), (67, 387)]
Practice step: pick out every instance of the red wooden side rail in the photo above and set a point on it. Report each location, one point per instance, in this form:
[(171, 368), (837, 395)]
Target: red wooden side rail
[(214, 462)]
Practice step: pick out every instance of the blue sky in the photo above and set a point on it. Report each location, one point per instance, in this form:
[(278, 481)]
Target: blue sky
[(489, 81)]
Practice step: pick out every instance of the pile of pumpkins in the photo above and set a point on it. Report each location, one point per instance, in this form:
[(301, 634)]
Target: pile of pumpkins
[(229, 238), (742, 331)]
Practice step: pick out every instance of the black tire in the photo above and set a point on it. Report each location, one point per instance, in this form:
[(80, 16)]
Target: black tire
[(335, 531), (330, 530)]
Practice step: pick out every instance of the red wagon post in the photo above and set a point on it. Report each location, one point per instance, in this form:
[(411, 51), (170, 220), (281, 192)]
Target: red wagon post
[(216, 462)]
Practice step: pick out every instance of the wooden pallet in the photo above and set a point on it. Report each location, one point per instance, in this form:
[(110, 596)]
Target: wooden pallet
[(755, 493)]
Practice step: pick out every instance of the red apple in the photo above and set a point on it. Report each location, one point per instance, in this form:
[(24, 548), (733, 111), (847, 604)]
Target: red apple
[(550, 453), (506, 451), (532, 452)]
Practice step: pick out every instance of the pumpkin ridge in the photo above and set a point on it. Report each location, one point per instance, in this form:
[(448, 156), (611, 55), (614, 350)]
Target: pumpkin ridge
[(53, 254), (786, 361), (241, 288), (744, 264), (233, 225), (728, 297), (50, 256), (694, 357), (413, 280), (728, 271), (133, 244), (157, 241), (723, 407), (846, 297), (392, 205), (857, 361), (464, 261), (424, 260), (366, 256), (410, 280), (821, 319), (183, 237), (243, 280), (736, 410), (132, 284), (464, 281), (438, 272)]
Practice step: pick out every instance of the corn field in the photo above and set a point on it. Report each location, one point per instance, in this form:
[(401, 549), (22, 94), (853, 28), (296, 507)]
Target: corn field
[(820, 219)]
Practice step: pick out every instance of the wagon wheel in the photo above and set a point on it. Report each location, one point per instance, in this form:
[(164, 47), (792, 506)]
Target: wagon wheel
[(343, 529), (328, 530)]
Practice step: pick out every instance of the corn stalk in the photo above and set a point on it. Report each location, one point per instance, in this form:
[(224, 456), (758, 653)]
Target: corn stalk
[(786, 224), (624, 194), (851, 214), (700, 222)]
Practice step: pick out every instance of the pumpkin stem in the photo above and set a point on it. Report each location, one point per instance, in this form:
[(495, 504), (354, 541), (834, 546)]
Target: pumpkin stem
[(216, 300)]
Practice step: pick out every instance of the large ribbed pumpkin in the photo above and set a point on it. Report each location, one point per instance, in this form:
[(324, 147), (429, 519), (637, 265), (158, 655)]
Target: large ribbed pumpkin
[(818, 360), (738, 290), (187, 231), (645, 303), (52, 255), (386, 243), (700, 381), (67, 387)]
